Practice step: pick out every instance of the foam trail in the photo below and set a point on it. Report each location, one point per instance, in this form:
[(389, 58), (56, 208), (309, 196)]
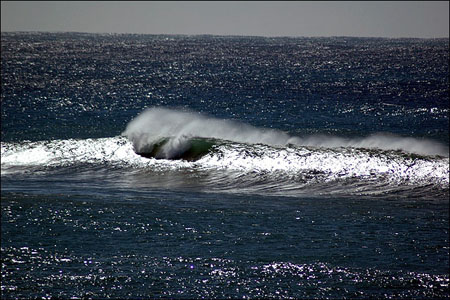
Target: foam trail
[(383, 141), (156, 123)]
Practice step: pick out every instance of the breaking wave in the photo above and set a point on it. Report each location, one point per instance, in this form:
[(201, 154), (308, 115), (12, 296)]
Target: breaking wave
[(171, 149), (235, 168), (176, 128)]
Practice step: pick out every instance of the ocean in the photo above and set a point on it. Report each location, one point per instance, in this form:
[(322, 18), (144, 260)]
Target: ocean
[(174, 166)]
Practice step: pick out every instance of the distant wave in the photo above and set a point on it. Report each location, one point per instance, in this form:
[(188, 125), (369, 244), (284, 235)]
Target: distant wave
[(178, 126)]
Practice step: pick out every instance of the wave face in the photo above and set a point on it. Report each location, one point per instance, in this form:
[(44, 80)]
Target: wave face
[(155, 150)]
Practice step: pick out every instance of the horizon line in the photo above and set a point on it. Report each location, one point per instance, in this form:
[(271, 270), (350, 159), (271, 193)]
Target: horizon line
[(220, 35)]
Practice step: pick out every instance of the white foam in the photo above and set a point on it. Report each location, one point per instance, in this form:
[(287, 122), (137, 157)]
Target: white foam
[(59, 153), (330, 165)]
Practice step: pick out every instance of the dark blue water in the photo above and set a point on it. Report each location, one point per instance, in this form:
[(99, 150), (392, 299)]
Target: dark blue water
[(325, 172)]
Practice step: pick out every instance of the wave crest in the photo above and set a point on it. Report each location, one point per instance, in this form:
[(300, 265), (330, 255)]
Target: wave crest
[(154, 124)]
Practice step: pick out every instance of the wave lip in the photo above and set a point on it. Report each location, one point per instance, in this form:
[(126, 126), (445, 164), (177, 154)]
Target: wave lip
[(154, 124)]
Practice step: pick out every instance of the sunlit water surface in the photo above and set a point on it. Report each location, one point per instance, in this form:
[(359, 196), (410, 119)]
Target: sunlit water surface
[(267, 167)]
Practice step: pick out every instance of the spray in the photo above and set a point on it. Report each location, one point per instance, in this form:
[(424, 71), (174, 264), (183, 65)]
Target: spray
[(179, 126)]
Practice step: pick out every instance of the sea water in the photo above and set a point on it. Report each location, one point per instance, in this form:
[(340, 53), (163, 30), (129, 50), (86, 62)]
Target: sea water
[(321, 167)]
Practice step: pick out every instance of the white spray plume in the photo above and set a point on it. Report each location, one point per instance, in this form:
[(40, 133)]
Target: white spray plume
[(156, 123)]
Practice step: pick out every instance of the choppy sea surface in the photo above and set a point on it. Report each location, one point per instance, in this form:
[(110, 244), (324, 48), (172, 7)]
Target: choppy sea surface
[(164, 166)]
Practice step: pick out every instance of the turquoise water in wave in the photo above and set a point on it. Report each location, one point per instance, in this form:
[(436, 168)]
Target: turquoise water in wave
[(289, 167)]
